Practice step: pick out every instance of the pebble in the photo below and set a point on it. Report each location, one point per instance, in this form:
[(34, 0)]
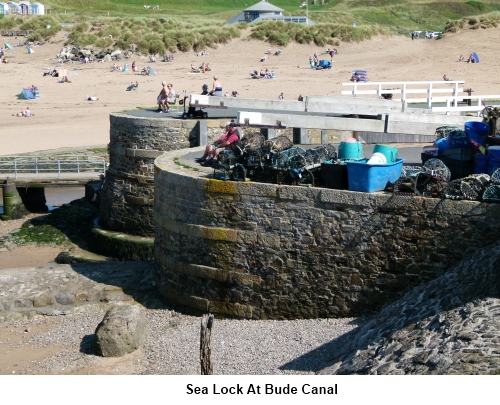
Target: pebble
[(172, 347)]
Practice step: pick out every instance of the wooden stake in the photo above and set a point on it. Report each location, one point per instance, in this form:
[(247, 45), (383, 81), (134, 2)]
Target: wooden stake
[(205, 351)]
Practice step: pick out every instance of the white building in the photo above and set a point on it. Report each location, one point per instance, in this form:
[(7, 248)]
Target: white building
[(4, 8), (265, 11), (14, 8), (24, 7), (37, 9)]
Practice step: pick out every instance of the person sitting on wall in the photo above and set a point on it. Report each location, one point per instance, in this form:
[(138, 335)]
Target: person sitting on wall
[(98, 190), (225, 142)]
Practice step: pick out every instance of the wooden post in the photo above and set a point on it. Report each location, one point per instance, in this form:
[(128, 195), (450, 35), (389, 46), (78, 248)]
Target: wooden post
[(205, 351)]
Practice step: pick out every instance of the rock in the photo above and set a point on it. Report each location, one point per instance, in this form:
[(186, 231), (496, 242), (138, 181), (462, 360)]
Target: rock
[(65, 298), (43, 300), (107, 58), (122, 331), (115, 53)]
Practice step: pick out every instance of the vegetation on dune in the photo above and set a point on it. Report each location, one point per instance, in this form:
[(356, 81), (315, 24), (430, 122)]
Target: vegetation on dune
[(201, 24)]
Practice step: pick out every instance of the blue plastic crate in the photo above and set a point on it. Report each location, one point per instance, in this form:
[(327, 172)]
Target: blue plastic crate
[(370, 178)]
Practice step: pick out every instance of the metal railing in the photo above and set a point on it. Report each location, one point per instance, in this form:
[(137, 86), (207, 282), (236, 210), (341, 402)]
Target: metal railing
[(16, 165)]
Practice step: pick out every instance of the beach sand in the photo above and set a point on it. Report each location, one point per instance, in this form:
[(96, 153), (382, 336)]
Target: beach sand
[(63, 119)]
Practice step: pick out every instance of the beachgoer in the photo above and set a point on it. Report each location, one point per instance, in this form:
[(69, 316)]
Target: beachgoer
[(446, 78), (133, 47), (471, 59), (281, 96), (216, 87), (461, 58), (98, 190), (300, 98), (133, 67), (234, 93), (170, 95), (27, 112), (91, 98), (162, 97), (412, 36), (228, 138)]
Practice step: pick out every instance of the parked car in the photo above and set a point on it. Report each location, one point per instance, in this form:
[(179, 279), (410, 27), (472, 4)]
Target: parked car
[(436, 34)]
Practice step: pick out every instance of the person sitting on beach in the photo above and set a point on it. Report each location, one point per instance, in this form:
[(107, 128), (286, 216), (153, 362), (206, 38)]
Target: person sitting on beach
[(134, 67), (269, 51), (225, 142), (132, 86), (281, 96), (300, 98), (207, 68), (262, 73), (194, 69), (25, 113), (461, 58), (446, 78), (263, 58), (234, 93), (216, 87), (278, 52), (471, 59), (91, 98), (145, 71), (152, 58)]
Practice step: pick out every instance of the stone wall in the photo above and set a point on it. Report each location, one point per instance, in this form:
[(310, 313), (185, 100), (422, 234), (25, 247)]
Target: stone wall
[(265, 251)]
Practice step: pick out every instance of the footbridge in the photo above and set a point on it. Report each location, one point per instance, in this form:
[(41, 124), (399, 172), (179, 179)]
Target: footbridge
[(60, 171)]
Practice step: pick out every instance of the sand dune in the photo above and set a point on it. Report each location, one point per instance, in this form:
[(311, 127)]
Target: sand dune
[(63, 119)]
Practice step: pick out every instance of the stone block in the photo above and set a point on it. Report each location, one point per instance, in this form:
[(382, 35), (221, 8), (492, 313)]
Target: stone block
[(43, 300), (65, 298)]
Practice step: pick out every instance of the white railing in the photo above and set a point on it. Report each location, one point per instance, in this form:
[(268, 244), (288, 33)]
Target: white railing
[(406, 89), (42, 164)]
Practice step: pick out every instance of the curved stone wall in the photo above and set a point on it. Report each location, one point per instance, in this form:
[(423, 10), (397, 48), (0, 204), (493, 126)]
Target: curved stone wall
[(128, 193), (265, 251)]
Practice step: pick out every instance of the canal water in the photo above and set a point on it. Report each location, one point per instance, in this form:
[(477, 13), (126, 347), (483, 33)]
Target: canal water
[(56, 197)]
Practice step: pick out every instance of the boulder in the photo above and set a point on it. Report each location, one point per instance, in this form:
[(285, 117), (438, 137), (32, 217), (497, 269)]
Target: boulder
[(107, 58), (122, 331), (115, 53)]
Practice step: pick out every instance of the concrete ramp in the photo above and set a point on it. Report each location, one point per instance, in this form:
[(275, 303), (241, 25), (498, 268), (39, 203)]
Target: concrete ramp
[(309, 121), (423, 124), (351, 105)]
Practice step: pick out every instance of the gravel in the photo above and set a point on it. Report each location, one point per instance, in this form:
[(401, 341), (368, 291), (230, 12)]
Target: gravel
[(241, 347)]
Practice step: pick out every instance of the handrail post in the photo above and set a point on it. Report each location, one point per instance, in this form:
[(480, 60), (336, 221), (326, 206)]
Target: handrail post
[(403, 93), (58, 169), (379, 92), (36, 164), (77, 164), (429, 96), (15, 169)]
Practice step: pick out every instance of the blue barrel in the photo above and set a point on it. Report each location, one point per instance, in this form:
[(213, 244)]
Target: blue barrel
[(390, 153), (478, 131), (350, 150), (494, 152), (481, 163), (442, 144), (493, 165)]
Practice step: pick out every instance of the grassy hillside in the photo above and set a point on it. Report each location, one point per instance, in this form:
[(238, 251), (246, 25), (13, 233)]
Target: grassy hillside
[(197, 24)]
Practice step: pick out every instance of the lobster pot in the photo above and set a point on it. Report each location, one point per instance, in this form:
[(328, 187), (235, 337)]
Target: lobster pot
[(282, 160), (222, 174), (227, 159)]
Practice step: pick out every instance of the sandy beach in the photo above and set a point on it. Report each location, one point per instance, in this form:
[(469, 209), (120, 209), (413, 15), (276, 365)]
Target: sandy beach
[(63, 119)]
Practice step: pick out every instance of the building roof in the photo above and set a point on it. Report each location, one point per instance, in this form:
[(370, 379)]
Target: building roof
[(263, 6)]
